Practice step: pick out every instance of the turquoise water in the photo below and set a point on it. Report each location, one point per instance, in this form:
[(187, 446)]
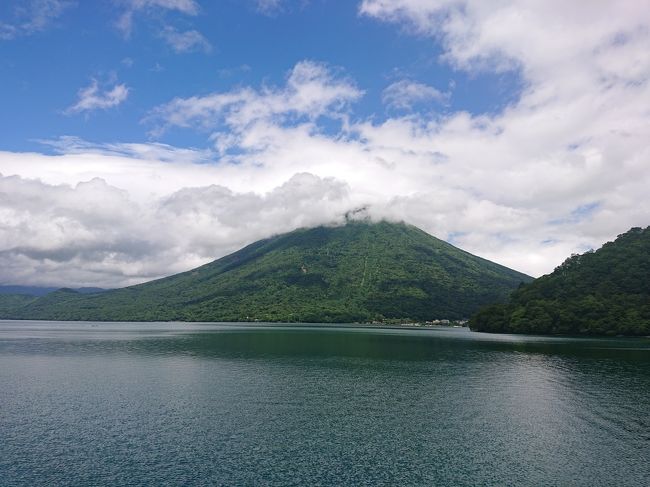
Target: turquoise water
[(222, 404)]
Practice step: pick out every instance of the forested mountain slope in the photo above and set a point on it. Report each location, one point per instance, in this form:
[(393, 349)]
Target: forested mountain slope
[(356, 272), (596, 293)]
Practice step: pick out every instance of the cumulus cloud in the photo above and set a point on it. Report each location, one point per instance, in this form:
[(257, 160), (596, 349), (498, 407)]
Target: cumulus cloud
[(405, 94), (312, 90), (543, 38), (188, 41), (577, 134), (93, 233), (33, 16), (92, 97)]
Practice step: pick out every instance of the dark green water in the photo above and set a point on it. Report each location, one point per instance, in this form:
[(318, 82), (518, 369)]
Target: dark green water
[(177, 404)]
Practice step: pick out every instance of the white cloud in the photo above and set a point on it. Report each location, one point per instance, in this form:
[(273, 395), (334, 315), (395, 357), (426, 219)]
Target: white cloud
[(131, 7), (311, 91), (405, 94), (7, 31), (188, 41), (157, 152), (268, 6), (537, 35), (33, 16), (274, 7), (95, 234), (92, 97), (578, 133)]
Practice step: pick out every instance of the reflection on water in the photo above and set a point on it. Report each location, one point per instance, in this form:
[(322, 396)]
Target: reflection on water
[(310, 405), (243, 340)]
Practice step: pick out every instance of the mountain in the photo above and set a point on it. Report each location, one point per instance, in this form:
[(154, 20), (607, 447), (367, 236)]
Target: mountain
[(27, 290), (42, 291), (606, 292), (356, 272), (14, 297), (9, 303)]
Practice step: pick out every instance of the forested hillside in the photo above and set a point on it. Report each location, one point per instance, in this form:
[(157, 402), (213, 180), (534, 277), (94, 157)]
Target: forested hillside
[(596, 293)]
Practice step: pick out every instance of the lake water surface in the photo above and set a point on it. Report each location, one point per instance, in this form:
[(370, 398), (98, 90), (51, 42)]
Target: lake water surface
[(223, 404)]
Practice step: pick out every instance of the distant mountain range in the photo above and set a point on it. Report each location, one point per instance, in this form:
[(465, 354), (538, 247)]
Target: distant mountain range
[(360, 271), (606, 292), (42, 291)]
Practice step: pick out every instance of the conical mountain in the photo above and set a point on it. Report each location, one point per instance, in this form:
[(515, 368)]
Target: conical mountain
[(606, 292), (356, 272)]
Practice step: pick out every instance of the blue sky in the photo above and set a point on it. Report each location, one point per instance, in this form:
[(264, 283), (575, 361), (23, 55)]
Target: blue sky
[(44, 70), (140, 138)]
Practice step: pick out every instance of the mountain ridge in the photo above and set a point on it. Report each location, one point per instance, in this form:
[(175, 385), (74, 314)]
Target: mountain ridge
[(43, 290), (359, 271)]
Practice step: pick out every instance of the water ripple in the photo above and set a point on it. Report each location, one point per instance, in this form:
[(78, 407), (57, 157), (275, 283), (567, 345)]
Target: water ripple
[(139, 404)]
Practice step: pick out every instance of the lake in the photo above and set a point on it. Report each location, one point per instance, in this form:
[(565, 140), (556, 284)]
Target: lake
[(308, 405)]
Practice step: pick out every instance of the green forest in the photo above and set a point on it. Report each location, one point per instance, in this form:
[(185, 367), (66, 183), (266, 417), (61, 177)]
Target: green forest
[(606, 292)]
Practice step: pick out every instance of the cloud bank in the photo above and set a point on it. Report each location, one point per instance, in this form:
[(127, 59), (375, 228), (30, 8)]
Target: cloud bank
[(93, 233)]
